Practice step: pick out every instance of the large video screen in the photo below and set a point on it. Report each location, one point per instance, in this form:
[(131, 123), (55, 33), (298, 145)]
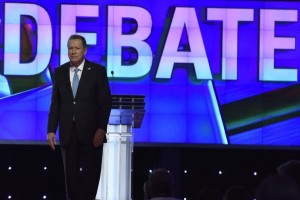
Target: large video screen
[(212, 71)]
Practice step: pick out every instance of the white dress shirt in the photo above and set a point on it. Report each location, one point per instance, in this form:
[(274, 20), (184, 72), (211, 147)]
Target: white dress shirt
[(72, 71)]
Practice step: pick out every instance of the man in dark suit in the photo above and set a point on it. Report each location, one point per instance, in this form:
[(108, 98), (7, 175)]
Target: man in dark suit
[(82, 116)]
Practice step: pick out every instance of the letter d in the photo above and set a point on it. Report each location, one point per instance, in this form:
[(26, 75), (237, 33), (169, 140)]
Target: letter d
[(12, 40)]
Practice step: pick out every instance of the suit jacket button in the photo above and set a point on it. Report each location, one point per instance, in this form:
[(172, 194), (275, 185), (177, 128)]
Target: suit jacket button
[(74, 102)]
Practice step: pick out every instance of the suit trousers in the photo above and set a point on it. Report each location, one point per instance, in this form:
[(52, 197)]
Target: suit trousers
[(82, 168)]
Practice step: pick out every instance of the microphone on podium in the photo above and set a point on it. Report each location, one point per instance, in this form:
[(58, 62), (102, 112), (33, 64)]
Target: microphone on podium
[(113, 81)]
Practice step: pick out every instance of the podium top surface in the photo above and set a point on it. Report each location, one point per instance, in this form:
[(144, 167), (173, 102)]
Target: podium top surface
[(128, 102), (127, 110)]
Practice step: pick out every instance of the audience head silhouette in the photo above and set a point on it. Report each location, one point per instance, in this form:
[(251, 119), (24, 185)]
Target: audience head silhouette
[(160, 183), (290, 169), (237, 192), (277, 187)]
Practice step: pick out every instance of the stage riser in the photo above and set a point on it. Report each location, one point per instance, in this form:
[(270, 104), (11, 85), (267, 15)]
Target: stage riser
[(193, 167)]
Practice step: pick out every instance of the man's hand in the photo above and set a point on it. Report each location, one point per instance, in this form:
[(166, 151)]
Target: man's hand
[(51, 138), (98, 137)]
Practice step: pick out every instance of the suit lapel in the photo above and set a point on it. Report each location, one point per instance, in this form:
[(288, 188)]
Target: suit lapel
[(84, 76), (66, 75)]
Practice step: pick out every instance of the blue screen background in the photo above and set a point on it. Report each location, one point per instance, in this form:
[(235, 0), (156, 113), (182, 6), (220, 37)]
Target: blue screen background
[(181, 109)]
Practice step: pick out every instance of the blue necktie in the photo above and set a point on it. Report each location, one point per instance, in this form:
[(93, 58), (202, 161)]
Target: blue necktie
[(75, 82)]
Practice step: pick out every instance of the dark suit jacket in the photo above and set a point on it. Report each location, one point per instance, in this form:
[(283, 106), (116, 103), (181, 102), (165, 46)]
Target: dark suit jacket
[(91, 106)]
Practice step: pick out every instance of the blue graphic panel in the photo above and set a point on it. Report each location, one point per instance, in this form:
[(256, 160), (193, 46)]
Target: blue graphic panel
[(212, 72)]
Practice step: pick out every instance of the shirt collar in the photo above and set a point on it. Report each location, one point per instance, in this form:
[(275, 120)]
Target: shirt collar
[(80, 67)]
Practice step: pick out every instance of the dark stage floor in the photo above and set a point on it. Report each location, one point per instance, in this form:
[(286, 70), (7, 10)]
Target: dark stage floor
[(35, 172)]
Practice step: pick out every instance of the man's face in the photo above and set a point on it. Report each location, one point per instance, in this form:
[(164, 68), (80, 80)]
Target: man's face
[(76, 51)]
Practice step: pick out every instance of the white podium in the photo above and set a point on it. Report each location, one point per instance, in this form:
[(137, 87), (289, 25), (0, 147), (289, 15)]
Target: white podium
[(115, 180)]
